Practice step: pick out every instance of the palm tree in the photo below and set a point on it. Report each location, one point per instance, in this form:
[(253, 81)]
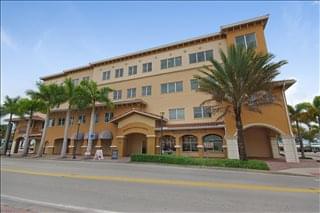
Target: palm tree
[(29, 107), (10, 107), (92, 94), (51, 95), (243, 74), (298, 115)]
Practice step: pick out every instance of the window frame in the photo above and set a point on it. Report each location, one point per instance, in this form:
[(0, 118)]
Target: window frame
[(117, 94), (245, 39), (108, 116), (148, 67), (106, 75), (176, 117), (146, 90), (131, 92)]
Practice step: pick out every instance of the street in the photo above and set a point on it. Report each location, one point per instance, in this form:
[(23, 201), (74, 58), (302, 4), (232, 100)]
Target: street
[(87, 186)]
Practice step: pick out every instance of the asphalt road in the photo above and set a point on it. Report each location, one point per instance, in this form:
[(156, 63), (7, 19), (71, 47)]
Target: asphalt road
[(82, 186)]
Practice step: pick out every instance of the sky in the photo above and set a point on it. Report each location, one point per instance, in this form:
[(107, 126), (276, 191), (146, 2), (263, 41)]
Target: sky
[(42, 38)]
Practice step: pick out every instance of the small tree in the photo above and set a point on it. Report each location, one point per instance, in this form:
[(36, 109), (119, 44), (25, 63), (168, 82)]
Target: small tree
[(28, 106), (10, 107), (51, 95), (91, 94), (242, 74)]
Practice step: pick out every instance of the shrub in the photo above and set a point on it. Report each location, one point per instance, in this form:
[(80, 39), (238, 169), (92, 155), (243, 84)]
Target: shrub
[(181, 160)]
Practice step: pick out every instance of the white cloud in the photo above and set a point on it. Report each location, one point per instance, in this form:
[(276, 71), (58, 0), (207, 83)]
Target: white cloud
[(7, 40), (296, 94)]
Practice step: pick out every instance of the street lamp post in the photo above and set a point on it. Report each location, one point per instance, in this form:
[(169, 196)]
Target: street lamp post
[(74, 142), (161, 131)]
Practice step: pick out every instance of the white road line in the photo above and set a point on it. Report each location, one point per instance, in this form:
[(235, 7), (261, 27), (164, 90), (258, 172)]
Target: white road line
[(56, 205)]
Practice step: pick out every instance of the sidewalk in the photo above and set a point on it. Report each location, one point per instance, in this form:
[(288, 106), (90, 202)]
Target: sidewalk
[(305, 167)]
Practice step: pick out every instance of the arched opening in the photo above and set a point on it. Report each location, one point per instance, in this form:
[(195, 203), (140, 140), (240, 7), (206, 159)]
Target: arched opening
[(19, 145), (261, 142), (135, 143), (168, 143), (189, 143), (58, 146), (212, 143)]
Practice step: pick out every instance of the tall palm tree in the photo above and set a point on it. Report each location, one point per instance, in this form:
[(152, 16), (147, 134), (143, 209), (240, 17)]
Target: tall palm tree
[(242, 74), (51, 95), (28, 106), (92, 94), (298, 115), (10, 107), (71, 97)]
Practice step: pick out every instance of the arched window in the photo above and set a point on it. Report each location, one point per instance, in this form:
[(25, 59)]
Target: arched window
[(212, 143), (167, 143), (189, 143)]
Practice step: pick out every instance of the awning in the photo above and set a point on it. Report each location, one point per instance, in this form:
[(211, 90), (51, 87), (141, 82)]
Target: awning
[(94, 136), (80, 136), (105, 135)]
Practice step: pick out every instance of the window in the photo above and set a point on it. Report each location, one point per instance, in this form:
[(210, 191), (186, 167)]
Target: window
[(108, 116), (106, 75), (71, 120), (247, 41), (168, 143), (194, 84), (61, 121), (51, 122), (82, 118), (117, 94), (86, 78), (146, 91), (200, 56), (131, 93), (96, 118), (147, 67), (212, 143), (132, 70), (176, 114), (75, 81), (172, 87), (189, 143), (202, 112), (119, 73), (171, 62)]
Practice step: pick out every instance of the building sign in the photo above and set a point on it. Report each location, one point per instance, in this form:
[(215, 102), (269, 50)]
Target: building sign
[(98, 155), (114, 154)]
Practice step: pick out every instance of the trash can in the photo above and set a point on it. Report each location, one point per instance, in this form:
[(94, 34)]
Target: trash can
[(114, 154)]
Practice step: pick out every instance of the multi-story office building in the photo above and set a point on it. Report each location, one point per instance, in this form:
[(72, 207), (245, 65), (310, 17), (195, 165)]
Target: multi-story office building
[(156, 96)]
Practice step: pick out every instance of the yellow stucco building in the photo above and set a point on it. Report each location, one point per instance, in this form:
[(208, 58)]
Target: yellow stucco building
[(155, 95)]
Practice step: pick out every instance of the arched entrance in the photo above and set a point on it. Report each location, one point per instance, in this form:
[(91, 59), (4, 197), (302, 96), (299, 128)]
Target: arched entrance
[(261, 141), (135, 143)]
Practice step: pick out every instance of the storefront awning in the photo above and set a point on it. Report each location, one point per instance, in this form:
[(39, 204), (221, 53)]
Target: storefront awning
[(80, 136), (105, 135), (93, 136)]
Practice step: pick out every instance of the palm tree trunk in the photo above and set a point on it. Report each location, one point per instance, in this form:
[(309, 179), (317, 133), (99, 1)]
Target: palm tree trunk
[(26, 139), (300, 140), (65, 135), (8, 132), (240, 138), (91, 131), (44, 133)]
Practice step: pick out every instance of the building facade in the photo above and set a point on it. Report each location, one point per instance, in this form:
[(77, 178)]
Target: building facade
[(157, 105)]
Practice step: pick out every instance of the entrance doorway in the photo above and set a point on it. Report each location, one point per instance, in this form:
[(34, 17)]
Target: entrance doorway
[(135, 143)]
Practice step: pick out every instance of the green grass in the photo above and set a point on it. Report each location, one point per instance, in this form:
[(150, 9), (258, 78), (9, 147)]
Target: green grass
[(180, 160)]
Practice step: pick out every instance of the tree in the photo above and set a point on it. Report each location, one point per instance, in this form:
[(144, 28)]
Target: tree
[(51, 95), (298, 115), (10, 106), (91, 94), (243, 74), (28, 106)]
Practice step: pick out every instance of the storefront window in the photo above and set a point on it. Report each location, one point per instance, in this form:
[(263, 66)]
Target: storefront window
[(212, 143), (189, 143)]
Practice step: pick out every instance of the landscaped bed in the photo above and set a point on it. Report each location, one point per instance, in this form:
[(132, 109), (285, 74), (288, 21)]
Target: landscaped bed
[(209, 162)]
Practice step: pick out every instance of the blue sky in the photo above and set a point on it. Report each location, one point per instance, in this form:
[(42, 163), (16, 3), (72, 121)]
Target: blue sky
[(41, 38)]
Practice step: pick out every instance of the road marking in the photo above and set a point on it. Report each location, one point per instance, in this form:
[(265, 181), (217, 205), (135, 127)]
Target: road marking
[(168, 182), (55, 205)]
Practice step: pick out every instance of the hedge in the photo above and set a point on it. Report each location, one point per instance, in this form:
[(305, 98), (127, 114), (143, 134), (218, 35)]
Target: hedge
[(209, 162)]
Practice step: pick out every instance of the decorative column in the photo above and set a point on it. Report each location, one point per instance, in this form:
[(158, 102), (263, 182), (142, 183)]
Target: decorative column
[(71, 146), (151, 144), (200, 149), (13, 146), (290, 149), (178, 146), (232, 147), (119, 145), (158, 145), (274, 147), (84, 146)]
